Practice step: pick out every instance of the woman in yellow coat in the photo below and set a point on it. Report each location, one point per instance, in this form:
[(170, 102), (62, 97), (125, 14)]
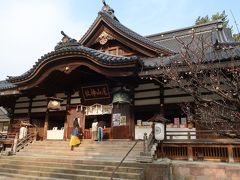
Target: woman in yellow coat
[(74, 141)]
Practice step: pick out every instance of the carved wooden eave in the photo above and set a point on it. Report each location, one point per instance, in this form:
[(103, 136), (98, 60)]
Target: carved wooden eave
[(10, 92), (67, 59), (106, 23)]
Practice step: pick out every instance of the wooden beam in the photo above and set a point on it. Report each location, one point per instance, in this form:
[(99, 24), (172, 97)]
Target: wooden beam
[(9, 92)]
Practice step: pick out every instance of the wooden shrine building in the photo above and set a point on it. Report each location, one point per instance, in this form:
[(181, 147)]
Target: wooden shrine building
[(99, 76)]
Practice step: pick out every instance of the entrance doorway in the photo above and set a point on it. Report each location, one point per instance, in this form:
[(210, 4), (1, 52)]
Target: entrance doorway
[(56, 120), (37, 120), (56, 125), (88, 125)]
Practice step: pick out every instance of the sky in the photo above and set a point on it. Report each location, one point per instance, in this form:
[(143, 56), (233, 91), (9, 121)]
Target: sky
[(31, 28)]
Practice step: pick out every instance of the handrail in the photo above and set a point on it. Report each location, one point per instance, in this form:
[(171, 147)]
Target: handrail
[(20, 144), (113, 172), (16, 144)]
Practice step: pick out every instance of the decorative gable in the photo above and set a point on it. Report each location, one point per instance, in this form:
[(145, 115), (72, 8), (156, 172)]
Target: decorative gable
[(107, 34)]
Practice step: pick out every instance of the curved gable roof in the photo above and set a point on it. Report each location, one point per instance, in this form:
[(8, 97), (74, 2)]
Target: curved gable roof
[(100, 58), (122, 30)]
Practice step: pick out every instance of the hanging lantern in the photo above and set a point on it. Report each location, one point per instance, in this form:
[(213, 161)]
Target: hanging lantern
[(54, 103), (121, 97)]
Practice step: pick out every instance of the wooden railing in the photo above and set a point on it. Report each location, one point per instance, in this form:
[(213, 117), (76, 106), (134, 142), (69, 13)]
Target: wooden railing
[(200, 134), (7, 140), (200, 145), (12, 142), (196, 152), (236, 153), (25, 141)]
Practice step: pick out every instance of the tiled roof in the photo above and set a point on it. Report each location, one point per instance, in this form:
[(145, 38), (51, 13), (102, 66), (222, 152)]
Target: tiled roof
[(4, 85), (100, 57), (211, 33), (214, 55), (127, 32), (3, 115)]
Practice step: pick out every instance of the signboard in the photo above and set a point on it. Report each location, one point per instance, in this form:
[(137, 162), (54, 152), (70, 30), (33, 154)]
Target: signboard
[(95, 92), (123, 120), (116, 119), (98, 109)]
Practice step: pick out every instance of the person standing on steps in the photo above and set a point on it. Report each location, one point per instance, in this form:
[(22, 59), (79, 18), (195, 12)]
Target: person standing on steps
[(75, 141), (23, 131), (95, 130), (101, 126)]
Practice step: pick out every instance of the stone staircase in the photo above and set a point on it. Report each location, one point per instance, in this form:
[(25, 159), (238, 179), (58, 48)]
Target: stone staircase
[(91, 160)]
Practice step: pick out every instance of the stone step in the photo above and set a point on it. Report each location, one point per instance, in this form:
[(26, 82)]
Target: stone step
[(52, 167), (86, 141), (106, 167), (92, 147), (79, 151), (99, 151), (95, 158), (99, 144), (7, 172), (62, 172), (69, 161), (87, 155), (91, 160), (11, 176)]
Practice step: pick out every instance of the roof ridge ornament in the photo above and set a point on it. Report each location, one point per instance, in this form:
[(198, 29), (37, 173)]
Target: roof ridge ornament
[(104, 3), (66, 42), (107, 9)]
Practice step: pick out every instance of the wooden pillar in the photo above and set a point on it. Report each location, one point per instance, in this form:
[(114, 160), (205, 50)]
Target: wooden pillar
[(14, 148), (123, 131), (12, 116), (45, 128), (66, 125), (122, 106), (82, 120), (189, 153), (30, 110), (230, 153), (132, 123), (161, 89)]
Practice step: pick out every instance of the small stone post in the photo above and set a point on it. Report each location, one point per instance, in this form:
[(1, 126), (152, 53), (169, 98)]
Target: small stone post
[(35, 133), (15, 143), (145, 148)]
